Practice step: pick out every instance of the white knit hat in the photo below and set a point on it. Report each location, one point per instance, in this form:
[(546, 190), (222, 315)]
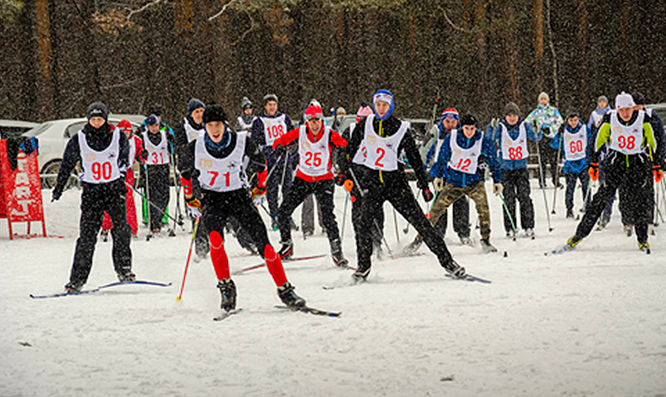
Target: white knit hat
[(624, 100)]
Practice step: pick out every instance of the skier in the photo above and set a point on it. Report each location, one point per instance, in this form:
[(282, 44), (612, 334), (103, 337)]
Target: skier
[(460, 171), (631, 141), (594, 123), (216, 161), (382, 137), (270, 125), (547, 119), (448, 123), (103, 151), (136, 152), (245, 120), (158, 142), (575, 140), (188, 130), (313, 175), (377, 213), (597, 115), (510, 136)]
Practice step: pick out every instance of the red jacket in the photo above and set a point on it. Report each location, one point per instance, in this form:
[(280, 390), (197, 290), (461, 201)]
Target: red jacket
[(335, 140)]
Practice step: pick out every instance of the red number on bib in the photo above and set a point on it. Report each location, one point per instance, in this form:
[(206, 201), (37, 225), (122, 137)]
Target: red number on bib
[(463, 164), (227, 176), (101, 171), (381, 153), (214, 174)]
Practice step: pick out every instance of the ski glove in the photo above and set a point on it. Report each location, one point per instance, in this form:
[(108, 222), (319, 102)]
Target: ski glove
[(340, 179), (658, 173), (427, 195), (55, 195), (594, 171), (438, 183), (280, 149), (498, 188), (258, 192), (193, 208)]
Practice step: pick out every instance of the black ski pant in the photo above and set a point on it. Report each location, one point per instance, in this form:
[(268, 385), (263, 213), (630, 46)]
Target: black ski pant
[(280, 179), (571, 179), (395, 190), (308, 215), (517, 188), (627, 213), (157, 191), (377, 225), (547, 155), (460, 218), (300, 189), (94, 202), (633, 173), (219, 207)]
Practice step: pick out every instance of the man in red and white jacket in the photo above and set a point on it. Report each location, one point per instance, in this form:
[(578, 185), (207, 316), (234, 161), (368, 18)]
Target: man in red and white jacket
[(136, 153), (313, 175)]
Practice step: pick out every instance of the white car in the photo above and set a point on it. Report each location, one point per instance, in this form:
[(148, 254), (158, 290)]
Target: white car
[(14, 128), (53, 137)]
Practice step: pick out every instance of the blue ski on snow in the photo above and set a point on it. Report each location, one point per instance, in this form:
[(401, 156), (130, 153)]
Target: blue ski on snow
[(469, 277), (101, 287), (311, 310)]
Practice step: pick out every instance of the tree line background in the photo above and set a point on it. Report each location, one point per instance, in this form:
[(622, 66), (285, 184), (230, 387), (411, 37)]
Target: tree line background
[(60, 55)]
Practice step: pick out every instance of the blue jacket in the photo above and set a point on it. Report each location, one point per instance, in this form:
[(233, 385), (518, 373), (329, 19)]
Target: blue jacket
[(461, 179), (513, 133), (577, 166), (595, 117), (259, 138)]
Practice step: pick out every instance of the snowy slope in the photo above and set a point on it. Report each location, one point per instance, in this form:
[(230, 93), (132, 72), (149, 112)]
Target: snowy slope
[(589, 322)]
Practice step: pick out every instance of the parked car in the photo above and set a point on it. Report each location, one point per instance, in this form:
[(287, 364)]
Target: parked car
[(53, 137), (660, 109), (15, 128)]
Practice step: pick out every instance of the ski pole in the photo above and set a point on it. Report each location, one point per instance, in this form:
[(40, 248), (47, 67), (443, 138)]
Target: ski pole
[(395, 222), (150, 225), (273, 169), (587, 194), (154, 205), (543, 188), (348, 187), (189, 255), (506, 209)]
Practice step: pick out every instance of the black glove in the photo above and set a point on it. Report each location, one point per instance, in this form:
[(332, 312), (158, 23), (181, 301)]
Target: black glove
[(57, 192), (427, 195), (280, 150)]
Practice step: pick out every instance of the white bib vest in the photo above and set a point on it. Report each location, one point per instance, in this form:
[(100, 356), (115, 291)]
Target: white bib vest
[(514, 149), (274, 128), (575, 144), (99, 167), (359, 157), (191, 132), (157, 154), (245, 127), (382, 152), (313, 156), (464, 160), (626, 139), (221, 175), (132, 150), (438, 145)]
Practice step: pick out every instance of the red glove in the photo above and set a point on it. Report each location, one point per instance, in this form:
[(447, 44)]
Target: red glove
[(261, 179), (187, 186), (257, 191), (658, 173), (594, 171)]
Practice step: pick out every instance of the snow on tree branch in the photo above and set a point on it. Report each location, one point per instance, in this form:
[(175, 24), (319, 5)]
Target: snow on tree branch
[(222, 10), (132, 12)]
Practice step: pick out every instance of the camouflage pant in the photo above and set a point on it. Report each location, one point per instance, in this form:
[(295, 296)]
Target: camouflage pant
[(450, 194)]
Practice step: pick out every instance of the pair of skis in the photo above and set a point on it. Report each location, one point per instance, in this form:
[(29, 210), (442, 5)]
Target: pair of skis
[(101, 287), (304, 309)]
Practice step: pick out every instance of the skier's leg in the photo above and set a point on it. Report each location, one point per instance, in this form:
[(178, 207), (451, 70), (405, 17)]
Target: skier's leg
[(89, 224)]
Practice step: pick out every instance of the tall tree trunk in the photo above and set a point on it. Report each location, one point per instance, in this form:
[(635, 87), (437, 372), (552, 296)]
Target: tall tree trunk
[(537, 29), (556, 89), (44, 54)]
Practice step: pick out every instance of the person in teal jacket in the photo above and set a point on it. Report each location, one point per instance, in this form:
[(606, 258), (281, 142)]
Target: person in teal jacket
[(547, 119)]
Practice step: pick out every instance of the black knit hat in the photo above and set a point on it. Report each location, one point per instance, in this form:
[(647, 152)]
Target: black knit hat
[(246, 103), (214, 113), (97, 109), (572, 112), (511, 108), (469, 119), (639, 98)]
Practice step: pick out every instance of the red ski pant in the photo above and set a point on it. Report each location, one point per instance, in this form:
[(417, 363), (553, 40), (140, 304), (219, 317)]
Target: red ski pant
[(107, 224)]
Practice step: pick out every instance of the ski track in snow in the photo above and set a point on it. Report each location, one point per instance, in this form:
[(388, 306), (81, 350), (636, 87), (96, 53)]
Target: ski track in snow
[(590, 322)]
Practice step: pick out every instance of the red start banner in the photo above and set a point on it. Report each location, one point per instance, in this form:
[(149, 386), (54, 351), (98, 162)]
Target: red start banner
[(20, 189)]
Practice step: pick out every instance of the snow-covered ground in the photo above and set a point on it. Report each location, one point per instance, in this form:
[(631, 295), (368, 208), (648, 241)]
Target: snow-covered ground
[(588, 322)]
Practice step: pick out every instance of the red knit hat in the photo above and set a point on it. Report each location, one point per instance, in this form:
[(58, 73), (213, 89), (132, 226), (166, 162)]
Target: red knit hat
[(450, 113), (125, 126), (313, 112)]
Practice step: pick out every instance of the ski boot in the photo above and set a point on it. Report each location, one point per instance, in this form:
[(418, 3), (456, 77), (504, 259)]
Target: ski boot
[(572, 243), (228, 291), (287, 249), (338, 257), (74, 286), (454, 269), (570, 214), (105, 235), (487, 247), (275, 224), (628, 229), (126, 275), (289, 297), (411, 248), (378, 251), (645, 247), (293, 225), (530, 233), (307, 234), (511, 234), (361, 274), (465, 240)]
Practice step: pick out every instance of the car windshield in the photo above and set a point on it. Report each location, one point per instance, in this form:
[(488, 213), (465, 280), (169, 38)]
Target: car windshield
[(38, 130)]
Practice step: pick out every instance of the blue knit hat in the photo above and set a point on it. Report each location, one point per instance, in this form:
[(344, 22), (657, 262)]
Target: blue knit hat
[(151, 120), (383, 96), (193, 105)]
